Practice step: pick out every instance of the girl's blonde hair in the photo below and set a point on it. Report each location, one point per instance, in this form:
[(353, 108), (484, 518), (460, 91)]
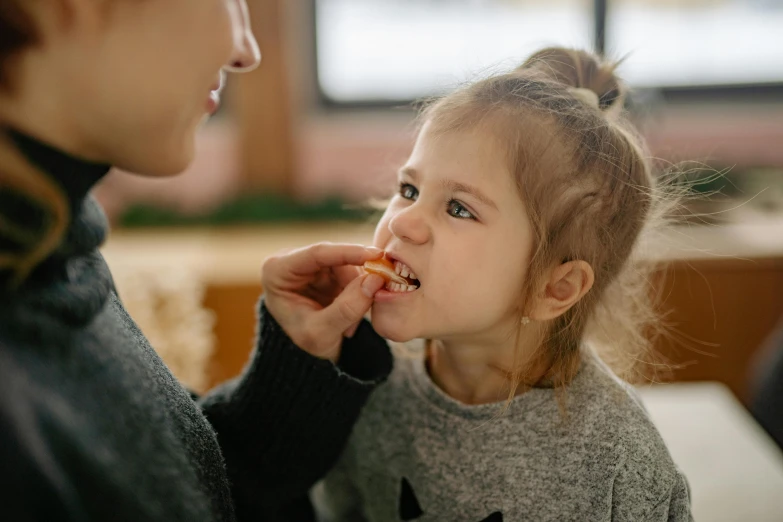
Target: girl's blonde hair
[(586, 181), (22, 248)]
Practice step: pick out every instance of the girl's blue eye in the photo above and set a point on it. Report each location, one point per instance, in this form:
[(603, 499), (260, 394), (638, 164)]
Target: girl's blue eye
[(408, 191), (455, 209)]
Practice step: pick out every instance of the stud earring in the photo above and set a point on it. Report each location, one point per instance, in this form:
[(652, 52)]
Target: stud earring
[(525, 321)]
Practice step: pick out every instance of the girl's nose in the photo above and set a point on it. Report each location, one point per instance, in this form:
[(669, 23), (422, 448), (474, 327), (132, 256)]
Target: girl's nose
[(410, 226)]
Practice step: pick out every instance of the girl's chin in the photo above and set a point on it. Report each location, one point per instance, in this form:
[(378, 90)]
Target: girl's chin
[(393, 332)]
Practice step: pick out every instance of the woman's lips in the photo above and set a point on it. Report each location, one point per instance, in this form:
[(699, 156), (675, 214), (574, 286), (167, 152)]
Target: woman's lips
[(213, 102)]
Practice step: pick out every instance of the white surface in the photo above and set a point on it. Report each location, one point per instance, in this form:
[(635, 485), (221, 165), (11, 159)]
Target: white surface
[(735, 470), (404, 49)]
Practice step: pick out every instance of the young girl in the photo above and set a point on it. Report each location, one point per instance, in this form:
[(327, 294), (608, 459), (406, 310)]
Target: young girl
[(513, 232)]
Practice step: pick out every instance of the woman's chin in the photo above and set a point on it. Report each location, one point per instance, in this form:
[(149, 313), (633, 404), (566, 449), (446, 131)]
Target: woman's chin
[(175, 162), (169, 164), (162, 156)]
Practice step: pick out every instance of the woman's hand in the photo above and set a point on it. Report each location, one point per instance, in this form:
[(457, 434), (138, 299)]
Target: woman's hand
[(318, 294)]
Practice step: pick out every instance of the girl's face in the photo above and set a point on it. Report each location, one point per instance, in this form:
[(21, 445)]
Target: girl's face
[(140, 76), (459, 224)]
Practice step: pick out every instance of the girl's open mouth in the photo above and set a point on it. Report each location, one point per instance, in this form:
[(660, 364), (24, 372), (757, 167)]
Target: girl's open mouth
[(399, 277)]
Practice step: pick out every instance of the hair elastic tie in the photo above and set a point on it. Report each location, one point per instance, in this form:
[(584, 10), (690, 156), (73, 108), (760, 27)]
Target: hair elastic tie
[(587, 96)]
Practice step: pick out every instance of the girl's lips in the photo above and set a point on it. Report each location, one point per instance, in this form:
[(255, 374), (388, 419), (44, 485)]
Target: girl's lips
[(397, 286), (385, 268), (386, 296)]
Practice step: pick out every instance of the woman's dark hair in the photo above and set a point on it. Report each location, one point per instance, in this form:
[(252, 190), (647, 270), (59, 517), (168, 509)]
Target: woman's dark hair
[(17, 33), (23, 247)]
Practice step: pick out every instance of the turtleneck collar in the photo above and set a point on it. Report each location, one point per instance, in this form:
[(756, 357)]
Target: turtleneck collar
[(75, 176), (72, 285)]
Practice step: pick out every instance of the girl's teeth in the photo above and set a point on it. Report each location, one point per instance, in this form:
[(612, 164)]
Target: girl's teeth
[(399, 287), (403, 270)]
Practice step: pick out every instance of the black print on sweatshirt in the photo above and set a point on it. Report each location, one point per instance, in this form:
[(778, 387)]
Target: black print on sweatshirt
[(410, 509)]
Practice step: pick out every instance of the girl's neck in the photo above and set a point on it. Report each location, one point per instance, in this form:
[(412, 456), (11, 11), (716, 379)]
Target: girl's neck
[(479, 373)]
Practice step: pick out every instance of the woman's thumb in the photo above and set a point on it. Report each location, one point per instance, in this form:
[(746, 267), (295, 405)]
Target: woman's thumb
[(371, 283), (350, 306)]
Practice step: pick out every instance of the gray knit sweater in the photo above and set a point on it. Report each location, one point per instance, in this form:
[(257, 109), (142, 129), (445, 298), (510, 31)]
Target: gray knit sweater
[(417, 454), (93, 425)]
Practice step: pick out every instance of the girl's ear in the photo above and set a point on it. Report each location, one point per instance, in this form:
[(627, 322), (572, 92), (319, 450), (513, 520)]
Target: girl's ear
[(565, 286)]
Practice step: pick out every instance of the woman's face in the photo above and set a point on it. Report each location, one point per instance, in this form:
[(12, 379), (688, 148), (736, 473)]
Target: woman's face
[(136, 78)]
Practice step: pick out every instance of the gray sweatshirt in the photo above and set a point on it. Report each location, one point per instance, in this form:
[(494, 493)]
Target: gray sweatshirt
[(417, 454)]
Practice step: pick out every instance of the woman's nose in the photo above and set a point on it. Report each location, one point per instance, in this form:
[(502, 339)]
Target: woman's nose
[(410, 226), (246, 55)]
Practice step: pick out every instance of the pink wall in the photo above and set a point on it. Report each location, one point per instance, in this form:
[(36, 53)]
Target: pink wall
[(356, 156)]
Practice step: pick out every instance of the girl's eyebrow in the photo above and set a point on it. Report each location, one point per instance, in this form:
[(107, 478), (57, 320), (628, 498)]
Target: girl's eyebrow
[(454, 186)]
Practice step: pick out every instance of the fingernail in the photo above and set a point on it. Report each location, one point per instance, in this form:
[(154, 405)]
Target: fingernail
[(374, 251), (371, 284)]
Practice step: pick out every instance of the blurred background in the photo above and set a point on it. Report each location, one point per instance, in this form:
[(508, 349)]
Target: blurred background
[(328, 117)]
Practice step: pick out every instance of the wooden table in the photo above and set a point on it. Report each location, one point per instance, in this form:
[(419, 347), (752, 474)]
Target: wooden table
[(734, 469)]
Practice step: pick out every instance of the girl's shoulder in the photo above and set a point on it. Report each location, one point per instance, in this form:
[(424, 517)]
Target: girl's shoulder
[(605, 409), (598, 399)]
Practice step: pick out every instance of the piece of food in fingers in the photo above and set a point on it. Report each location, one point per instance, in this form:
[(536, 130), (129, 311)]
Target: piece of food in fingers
[(392, 271), (384, 268)]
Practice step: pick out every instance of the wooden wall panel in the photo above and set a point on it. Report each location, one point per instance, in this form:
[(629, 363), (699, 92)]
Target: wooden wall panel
[(262, 105), (235, 326), (725, 310)]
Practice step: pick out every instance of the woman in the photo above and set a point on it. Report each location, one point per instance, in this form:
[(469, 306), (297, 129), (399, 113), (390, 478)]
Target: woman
[(92, 424)]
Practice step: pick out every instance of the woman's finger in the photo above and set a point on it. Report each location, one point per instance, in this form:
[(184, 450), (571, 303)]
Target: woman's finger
[(343, 275), (348, 308), (313, 258)]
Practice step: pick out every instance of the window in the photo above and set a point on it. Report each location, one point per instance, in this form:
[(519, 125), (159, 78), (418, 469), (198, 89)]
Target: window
[(697, 42), (387, 51)]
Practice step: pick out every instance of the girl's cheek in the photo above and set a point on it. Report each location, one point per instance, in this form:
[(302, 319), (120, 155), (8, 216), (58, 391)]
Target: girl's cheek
[(380, 238)]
